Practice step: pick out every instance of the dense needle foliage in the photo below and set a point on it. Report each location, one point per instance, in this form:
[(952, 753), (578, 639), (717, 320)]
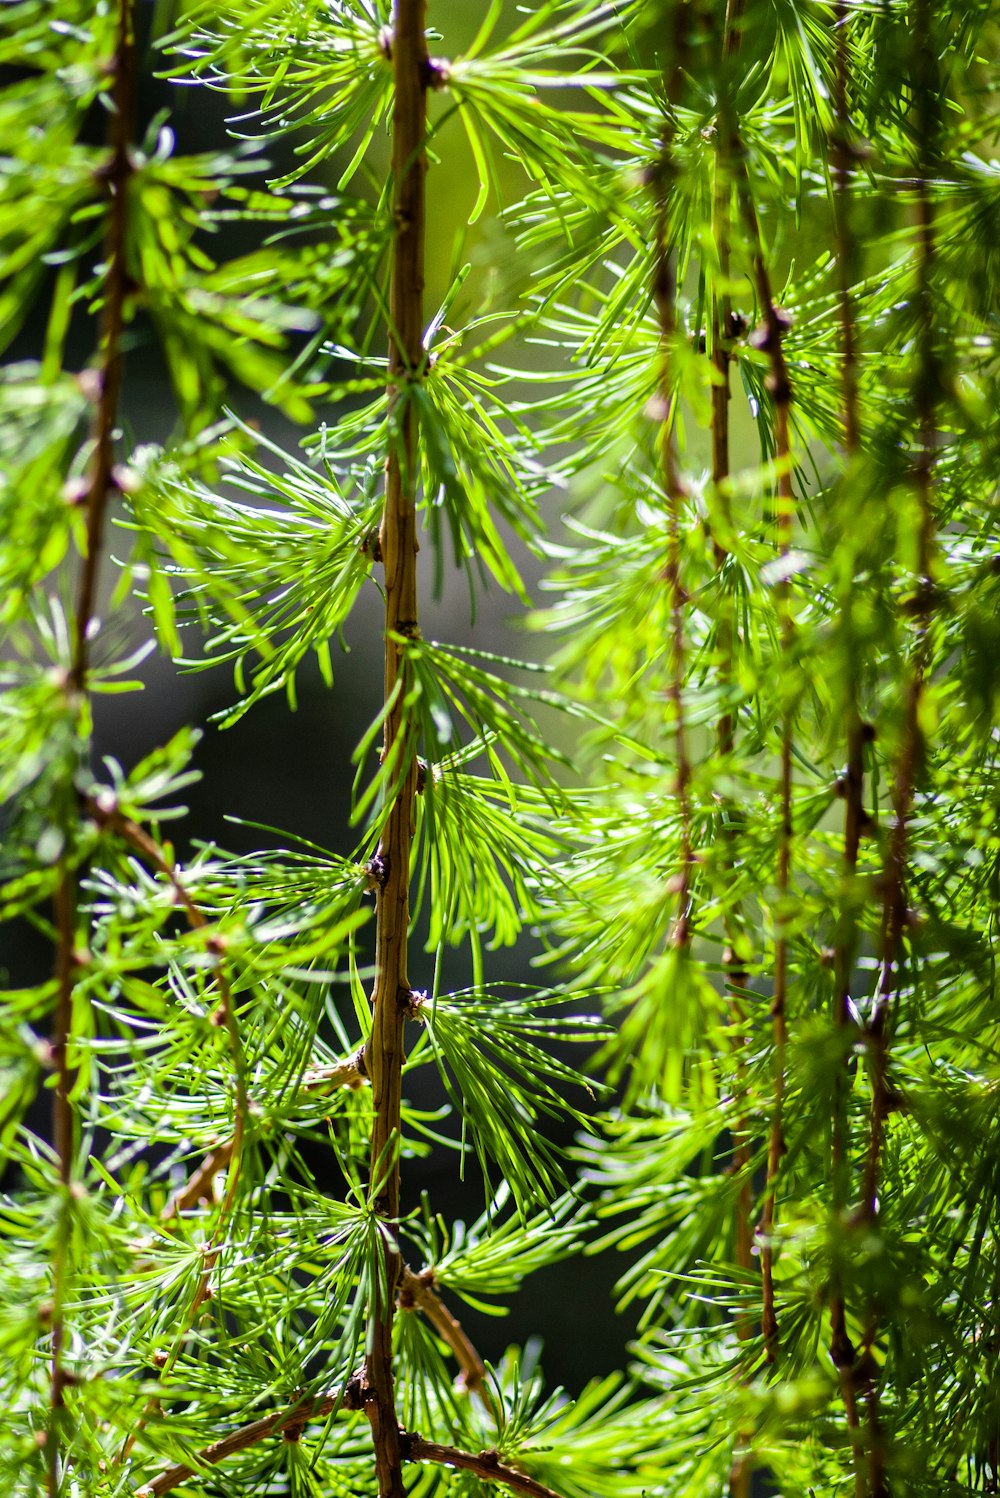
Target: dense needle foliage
[(742, 324)]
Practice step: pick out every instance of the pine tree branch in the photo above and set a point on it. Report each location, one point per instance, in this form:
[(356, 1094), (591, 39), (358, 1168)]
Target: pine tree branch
[(62, 1140), (108, 815), (726, 160), (894, 875), (288, 1422), (842, 1351), (486, 1465), (398, 545), (416, 1293), (197, 1187), (841, 155), (116, 174), (664, 296), (229, 1153), (770, 339), (347, 1073)]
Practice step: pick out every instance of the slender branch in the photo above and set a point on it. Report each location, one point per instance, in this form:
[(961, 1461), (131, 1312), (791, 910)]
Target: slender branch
[(229, 1153), (842, 1350), (62, 1139), (398, 543), (288, 1422), (116, 174), (770, 339), (348, 1073), (722, 325), (416, 1293), (66, 967), (107, 815), (486, 1465), (842, 156), (664, 296), (894, 909), (198, 1185)]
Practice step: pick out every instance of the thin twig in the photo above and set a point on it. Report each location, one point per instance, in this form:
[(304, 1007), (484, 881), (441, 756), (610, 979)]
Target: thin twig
[(664, 296), (842, 1350), (769, 338), (198, 1185), (416, 1293), (392, 995), (62, 1139), (486, 1465), (229, 1153), (116, 174), (894, 909), (347, 1073), (289, 1422), (722, 325)]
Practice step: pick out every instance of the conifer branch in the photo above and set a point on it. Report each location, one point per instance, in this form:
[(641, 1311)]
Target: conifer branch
[(62, 1140), (486, 1465), (842, 1350), (116, 174), (841, 154), (398, 545), (347, 1073), (894, 874), (727, 127), (136, 837), (416, 1293), (769, 338), (288, 1422), (229, 1153), (198, 1185), (664, 296)]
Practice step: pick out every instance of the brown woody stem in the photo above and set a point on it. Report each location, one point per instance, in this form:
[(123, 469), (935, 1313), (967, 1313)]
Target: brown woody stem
[(771, 340), (894, 909), (664, 296), (289, 1422), (486, 1465), (398, 545), (416, 1293), (842, 1350), (230, 1151), (726, 155), (115, 174)]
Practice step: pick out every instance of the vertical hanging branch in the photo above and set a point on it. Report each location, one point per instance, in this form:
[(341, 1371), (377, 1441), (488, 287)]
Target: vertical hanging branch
[(851, 783), (769, 338), (722, 314), (921, 604), (722, 332), (398, 543), (664, 295), (115, 174)]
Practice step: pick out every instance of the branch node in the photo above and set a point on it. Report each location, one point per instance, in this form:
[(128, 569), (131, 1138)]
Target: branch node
[(435, 72)]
